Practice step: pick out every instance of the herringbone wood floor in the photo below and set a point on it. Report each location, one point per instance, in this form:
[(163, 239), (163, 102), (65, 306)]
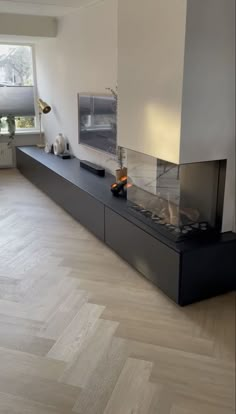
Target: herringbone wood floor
[(82, 332)]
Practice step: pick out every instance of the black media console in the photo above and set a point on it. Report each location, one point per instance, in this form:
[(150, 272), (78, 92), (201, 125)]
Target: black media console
[(187, 271)]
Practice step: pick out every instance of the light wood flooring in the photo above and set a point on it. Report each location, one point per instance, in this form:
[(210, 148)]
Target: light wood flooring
[(82, 332)]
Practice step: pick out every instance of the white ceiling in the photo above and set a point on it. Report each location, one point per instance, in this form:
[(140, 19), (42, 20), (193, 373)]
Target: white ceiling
[(43, 7)]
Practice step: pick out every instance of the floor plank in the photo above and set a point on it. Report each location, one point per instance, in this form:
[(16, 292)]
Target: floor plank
[(130, 391), (82, 332)]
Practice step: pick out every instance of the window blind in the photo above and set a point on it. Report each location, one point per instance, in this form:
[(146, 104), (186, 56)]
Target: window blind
[(17, 101)]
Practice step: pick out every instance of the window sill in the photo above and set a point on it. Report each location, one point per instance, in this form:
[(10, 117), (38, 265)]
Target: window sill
[(23, 132)]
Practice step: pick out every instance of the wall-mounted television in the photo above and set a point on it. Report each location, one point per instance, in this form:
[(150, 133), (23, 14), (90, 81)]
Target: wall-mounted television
[(98, 122)]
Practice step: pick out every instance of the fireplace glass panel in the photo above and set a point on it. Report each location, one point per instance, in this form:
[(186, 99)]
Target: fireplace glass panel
[(178, 200)]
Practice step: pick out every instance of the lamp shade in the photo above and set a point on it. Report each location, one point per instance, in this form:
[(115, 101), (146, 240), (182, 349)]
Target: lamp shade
[(17, 101), (44, 107)]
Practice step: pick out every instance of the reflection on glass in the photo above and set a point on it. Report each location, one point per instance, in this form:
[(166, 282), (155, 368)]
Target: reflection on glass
[(97, 122), (179, 200)]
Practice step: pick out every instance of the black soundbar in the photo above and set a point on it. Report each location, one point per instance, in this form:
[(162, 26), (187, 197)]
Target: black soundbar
[(93, 168)]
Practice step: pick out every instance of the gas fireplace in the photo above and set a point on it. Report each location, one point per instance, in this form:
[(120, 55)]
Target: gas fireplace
[(179, 201)]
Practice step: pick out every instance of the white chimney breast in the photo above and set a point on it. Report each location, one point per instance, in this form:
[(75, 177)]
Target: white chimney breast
[(151, 44), (176, 82)]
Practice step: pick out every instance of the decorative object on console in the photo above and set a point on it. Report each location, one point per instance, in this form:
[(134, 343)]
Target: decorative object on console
[(60, 148), (44, 108), (93, 168), (59, 145), (119, 189), (65, 156), (48, 148), (122, 170)]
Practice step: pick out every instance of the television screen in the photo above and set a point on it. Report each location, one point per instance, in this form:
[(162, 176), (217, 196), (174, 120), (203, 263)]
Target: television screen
[(97, 122)]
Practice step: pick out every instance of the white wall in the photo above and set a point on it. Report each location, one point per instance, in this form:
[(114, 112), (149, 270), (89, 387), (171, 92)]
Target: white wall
[(83, 58), (208, 114), (22, 25)]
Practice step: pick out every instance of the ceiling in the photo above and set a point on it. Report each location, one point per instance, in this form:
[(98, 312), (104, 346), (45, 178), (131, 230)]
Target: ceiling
[(55, 8)]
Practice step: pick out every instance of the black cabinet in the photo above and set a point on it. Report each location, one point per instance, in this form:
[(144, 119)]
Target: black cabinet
[(208, 271), (187, 272), (153, 259), (82, 206), (186, 276)]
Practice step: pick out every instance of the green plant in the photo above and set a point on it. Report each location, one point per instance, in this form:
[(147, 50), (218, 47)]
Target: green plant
[(120, 151), (10, 122), (121, 155), (1, 124)]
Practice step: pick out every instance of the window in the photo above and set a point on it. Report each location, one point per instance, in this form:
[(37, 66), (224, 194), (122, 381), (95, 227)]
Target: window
[(17, 85)]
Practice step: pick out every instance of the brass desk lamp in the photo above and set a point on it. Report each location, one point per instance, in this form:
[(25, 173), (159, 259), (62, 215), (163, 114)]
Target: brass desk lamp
[(44, 108)]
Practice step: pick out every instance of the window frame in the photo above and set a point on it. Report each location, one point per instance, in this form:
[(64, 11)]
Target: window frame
[(22, 131)]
